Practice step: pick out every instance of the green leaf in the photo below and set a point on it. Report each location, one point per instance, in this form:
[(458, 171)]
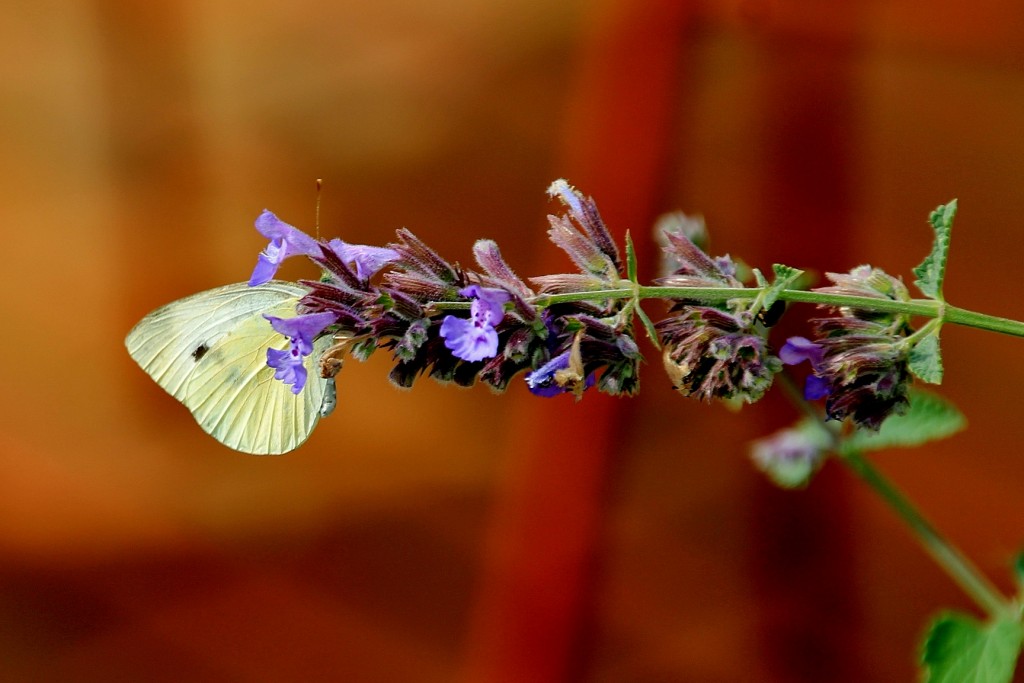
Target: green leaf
[(1018, 570), (932, 270), (929, 418), (652, 333), (630, 258), (925, 359), (958, 649), (784, 277)]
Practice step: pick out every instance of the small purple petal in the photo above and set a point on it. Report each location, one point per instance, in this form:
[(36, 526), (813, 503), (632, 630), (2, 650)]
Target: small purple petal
[(488, 303), (368, 260), (285, 241), (476, 339), (798, 349), (541, 382), (288, 367), (303, 328), (469, 340), (816, 387), (266, 266), (274, 229)]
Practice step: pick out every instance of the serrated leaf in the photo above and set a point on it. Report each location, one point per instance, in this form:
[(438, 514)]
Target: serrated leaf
[(932, 270), (784, 277), (630, 258), (929, 418), (958, 649), (925, 359)]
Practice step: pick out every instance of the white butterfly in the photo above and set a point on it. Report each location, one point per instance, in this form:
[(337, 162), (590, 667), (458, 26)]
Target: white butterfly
[(209, 351)]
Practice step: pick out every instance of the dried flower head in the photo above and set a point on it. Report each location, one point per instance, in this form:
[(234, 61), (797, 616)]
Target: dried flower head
[(711, 352)]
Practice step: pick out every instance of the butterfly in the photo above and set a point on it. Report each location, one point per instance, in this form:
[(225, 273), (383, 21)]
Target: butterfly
[(209, 351)]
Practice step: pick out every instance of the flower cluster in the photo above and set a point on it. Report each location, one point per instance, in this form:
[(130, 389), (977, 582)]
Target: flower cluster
[(488, 325), (859, 359), (415, 309), (713, 352)]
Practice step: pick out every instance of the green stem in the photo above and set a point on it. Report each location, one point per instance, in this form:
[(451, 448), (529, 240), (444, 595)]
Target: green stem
[(981, 321), (928, 308), (959, 568)]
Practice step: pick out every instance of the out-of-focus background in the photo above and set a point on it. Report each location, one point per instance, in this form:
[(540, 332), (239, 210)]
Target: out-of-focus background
[(454, 535)]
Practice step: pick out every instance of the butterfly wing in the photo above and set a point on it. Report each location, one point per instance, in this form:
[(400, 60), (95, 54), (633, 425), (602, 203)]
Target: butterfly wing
[(209, 351)]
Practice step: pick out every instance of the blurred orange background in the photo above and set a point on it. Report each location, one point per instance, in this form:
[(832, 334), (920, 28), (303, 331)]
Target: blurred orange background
[(455, 535)]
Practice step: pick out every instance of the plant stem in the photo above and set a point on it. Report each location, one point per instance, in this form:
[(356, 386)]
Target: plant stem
[(961, 316), (928, 308), (956, 565)]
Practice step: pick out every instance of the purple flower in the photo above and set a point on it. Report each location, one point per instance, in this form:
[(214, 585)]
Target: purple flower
[(799, 349), (368, 260), (561, 374), (863, 376), (285, 241), (816, 387), (863, 368), (469, 339), (476, 338), (542, 381), (555, 377), (289, 365)]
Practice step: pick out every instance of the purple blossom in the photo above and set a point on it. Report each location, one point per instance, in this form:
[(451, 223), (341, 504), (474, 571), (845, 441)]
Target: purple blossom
[(561, 374), (289, 365), (816, 388), (285, 241), (863, 376), (469, 340), (555, 377), (542, 381), (476, 338), (368, 260), (799, 349)]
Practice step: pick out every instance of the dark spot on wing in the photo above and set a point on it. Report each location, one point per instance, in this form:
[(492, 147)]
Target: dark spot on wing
[(200, 351)]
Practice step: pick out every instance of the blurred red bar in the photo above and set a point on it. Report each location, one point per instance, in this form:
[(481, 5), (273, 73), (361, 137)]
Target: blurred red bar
[(808, 175), (530, 620)]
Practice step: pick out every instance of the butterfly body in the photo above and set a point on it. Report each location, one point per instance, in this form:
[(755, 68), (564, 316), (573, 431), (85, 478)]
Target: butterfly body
[(209, 351)]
